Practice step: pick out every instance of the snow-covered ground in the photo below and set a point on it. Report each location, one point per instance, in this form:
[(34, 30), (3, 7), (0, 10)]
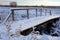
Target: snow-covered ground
[(6, 30)]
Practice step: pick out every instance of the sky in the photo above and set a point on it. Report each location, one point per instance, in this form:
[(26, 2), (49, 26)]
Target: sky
[(32, 2)]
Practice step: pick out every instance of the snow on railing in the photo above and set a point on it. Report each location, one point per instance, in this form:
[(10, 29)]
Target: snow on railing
[(6, 18)]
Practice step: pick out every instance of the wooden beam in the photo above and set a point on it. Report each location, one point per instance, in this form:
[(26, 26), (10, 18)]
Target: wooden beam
[(31, 8), (36, 12), (50, 12), (45, 12), (27, 13), (12, 15), (40, 12)]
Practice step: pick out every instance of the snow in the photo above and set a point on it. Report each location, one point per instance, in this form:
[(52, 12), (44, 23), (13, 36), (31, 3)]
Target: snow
[(3, 33), (40, 37)]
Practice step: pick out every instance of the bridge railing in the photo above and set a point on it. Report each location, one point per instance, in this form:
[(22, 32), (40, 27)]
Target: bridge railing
[(3, 15), (28, 10), (27, 15)]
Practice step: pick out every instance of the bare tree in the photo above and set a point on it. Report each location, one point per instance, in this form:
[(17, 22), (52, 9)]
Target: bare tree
[(13, 4)]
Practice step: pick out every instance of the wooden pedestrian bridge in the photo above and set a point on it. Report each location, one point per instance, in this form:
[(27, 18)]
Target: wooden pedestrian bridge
[(27, 26)]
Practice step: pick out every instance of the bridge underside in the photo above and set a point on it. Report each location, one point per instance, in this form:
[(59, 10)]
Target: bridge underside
[(28, 31)]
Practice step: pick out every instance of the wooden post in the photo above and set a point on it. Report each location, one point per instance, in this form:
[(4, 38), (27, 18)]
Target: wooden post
[(12, 15), (36, 12), (50, 12), (41, 12), (45, 11), (27, 13)]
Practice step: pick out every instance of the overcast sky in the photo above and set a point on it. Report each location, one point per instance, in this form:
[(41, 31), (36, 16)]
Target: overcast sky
[(32, 2)]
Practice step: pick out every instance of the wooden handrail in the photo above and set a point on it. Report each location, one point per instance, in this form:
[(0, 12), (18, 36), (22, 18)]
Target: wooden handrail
[(6, 18)]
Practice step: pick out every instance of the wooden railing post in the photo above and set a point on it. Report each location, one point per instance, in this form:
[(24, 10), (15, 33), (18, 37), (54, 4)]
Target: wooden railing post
[(50, 12), (45, 12), (41, 12), (36, 12), (27, 13), (12, 15)]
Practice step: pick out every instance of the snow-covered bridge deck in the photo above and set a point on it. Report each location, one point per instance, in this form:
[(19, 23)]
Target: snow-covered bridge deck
[(28, 23)]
